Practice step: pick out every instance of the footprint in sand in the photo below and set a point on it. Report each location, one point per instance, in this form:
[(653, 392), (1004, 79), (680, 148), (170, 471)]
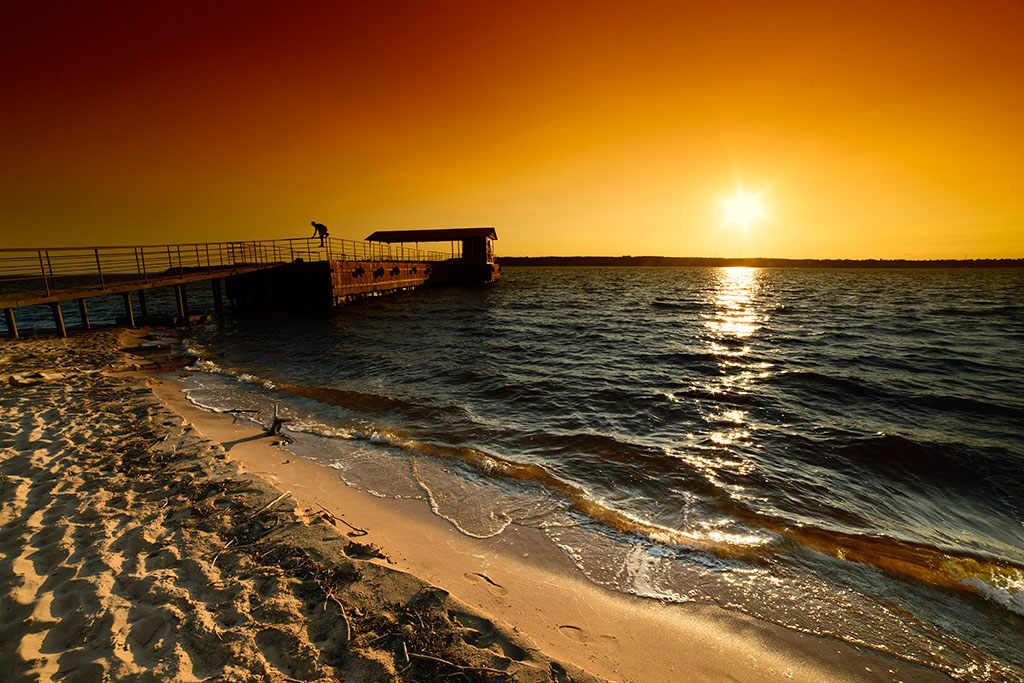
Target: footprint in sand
[(483, 634), (494, 588), (578, 635), (575, 633)]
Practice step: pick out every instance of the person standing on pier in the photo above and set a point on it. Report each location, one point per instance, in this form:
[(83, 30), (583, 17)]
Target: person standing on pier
[(319, 230)]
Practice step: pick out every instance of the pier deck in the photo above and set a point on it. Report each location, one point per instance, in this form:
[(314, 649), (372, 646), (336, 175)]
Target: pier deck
[(259, 275)]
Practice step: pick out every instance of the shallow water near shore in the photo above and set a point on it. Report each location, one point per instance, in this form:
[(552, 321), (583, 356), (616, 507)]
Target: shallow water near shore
[(839, 452)]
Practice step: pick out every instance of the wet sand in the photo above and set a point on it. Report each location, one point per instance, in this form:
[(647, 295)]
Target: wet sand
[(146, 539)]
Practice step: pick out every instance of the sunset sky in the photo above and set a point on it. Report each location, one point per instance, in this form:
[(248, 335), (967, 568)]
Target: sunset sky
[(869, 129)]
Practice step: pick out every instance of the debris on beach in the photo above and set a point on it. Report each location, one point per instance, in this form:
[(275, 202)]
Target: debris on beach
[(31, 378)]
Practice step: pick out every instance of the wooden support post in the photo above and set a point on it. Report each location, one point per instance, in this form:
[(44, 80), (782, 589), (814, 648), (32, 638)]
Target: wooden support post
[(184, 301), (182, 298), (12, 327), (84, 311), (218, 302), (58, 319), (143, 308), (128, 308)]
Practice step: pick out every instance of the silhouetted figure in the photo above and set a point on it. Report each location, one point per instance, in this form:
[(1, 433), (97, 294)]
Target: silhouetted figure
[(319, 230)]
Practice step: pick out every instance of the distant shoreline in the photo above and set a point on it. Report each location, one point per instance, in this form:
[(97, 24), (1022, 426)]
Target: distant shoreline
[(707, 262)]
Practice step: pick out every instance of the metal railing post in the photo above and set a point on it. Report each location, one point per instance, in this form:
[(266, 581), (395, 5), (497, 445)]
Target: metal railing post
[(49, 265), (42, 269)]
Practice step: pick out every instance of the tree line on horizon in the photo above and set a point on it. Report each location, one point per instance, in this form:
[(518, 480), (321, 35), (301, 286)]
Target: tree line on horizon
[(717, 262)]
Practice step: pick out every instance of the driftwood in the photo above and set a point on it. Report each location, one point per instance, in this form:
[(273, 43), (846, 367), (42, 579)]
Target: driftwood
[(275, 426), (344, 615), (482, 669), (217, 556), (356, 531), (269, 505)]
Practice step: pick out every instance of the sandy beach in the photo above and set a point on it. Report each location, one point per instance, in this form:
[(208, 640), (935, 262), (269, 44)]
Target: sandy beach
[(146, 539)]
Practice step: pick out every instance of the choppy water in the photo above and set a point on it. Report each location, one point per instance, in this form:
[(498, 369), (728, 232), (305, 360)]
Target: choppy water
[(840, 452)]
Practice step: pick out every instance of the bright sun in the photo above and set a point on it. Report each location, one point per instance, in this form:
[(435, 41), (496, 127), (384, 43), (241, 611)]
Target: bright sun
[(743, 208)]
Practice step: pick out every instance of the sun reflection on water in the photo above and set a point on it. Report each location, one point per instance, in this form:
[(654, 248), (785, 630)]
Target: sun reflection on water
[(732, 325), (735, 314)]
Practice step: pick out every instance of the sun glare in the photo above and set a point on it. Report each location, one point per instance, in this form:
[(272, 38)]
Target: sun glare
[(742, 209)]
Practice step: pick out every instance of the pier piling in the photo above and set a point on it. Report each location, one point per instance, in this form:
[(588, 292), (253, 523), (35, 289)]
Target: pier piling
[(129, 313), (12, 327), (83, 310), (58, 319), (182, 298)]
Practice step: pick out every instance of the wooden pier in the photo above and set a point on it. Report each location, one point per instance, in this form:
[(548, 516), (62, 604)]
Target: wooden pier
[(259, 275)]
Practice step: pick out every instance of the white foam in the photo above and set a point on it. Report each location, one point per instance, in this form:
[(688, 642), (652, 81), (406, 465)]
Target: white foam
[(208, 366), (1006, 589)]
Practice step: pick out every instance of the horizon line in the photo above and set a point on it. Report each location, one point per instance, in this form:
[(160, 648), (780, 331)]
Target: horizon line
[(769, 260)]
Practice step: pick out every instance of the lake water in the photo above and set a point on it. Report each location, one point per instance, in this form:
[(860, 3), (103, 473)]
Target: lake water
[(837, 451)]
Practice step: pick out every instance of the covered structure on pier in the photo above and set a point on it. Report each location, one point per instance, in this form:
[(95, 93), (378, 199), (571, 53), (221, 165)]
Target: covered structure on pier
[(477, 243), (473, 262)]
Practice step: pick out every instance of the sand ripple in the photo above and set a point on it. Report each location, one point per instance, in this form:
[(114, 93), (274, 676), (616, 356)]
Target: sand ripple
[(133, 549)]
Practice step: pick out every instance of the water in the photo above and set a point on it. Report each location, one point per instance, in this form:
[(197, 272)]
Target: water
[(837, 451)]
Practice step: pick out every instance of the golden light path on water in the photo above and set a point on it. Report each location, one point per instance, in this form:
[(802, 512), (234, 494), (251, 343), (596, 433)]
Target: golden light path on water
[(734, 321)]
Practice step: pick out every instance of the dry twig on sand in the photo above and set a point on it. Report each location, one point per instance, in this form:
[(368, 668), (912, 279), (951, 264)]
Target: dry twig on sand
[(344, 615), (481, 669), (356, 531), (268, 506)]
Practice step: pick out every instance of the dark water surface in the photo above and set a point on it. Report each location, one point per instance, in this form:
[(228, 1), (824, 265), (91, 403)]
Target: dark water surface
[(840, 452)]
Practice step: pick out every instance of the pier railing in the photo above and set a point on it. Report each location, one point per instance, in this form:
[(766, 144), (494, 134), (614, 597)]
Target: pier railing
[(43, 268), (358, 250)]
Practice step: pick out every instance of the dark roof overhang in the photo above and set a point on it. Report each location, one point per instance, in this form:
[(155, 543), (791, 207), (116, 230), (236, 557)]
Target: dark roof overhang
[(438, 235)]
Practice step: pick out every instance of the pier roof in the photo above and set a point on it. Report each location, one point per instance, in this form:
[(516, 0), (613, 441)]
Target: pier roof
[(437, 235)]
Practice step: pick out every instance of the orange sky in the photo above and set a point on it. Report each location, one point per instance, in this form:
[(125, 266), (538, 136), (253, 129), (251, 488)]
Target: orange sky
[(872, 129)]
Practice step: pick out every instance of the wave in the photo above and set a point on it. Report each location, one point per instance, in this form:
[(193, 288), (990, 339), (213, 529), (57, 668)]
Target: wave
[(995, 579), (680, 305), (1013, 312), (967, 405), (894, 458), (821, 386), (363, 402), (677, 358)]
